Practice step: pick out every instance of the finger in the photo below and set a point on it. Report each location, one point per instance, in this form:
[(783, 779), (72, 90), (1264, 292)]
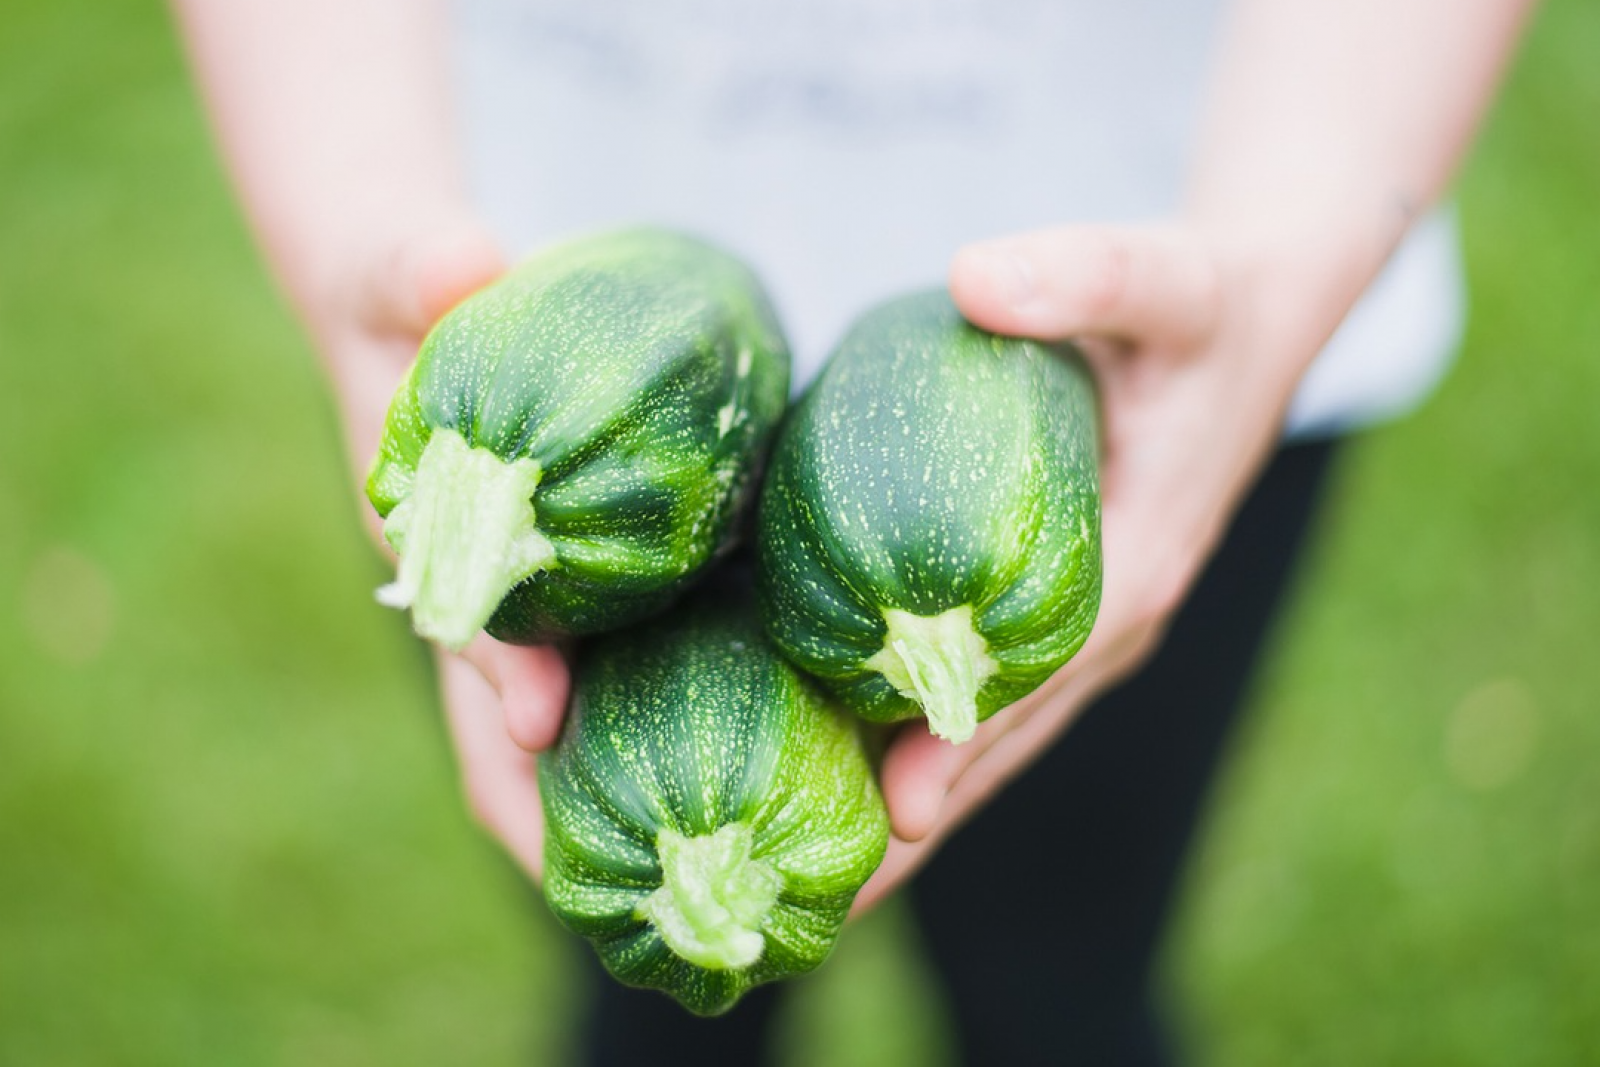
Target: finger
[(927, 782), (1013, 750), (918, 770), (534, 687), (412, 284), (1147, 284), (499, 778), (533, 683)]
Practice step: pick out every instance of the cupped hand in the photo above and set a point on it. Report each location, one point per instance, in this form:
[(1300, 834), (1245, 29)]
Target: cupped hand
[(1195, 366), (1195, 372), (503, 702)]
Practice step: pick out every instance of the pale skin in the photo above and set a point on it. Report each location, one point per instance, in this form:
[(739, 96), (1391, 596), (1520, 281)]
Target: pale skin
[(1330, 125)]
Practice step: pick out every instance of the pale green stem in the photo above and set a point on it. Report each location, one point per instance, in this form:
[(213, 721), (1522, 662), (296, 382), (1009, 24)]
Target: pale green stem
[(713, 898), (466, 535), (939, 661)]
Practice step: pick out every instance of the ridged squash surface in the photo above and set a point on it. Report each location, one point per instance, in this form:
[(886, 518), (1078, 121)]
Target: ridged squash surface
[(628, 384), (931, 520), (691, 735)]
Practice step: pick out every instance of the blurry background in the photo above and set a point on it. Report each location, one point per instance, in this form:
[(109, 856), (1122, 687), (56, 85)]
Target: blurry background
[(230, 831)]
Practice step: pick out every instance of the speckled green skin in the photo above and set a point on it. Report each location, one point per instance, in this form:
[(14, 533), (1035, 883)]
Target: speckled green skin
[(644, 371), (691, 722), (933, 465)]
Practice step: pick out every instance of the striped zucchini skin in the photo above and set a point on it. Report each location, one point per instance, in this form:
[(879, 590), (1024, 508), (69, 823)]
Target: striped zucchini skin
[(932, 467), (689, 725), (643, 372)]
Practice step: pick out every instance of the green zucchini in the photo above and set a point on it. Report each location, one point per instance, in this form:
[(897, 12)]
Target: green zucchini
[(709, 815), (573, 443), (929, 535)]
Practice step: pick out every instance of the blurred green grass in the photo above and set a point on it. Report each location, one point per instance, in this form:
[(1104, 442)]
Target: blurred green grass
[(230, 831)]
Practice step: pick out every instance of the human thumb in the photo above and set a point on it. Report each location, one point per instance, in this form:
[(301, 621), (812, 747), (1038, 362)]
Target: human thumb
[(425, 274), (1138, 282)]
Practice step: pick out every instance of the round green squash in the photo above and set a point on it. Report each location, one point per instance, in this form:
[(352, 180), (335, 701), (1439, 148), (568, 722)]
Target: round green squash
[(929, 535), (709, 815), (573, 443)]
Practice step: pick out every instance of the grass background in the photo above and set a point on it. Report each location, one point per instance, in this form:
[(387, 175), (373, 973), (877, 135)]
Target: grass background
[(229, 827)]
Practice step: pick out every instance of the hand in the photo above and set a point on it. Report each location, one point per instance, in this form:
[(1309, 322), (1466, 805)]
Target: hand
[(503, 702), (1196, 363)]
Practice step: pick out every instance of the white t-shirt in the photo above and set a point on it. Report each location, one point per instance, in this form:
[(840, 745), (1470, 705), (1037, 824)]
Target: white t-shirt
[(846, 148)]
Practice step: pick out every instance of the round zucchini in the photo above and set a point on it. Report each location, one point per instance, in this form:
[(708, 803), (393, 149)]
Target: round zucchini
[(573, 443), (929, 535), (709, 816)]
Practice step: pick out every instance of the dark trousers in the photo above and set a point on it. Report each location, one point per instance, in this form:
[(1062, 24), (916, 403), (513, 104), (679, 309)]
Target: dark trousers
[(1044, 914)]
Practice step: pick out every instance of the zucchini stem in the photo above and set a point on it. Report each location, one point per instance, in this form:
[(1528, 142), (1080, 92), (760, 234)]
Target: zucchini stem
[(465, 535), (714, 896), (939, 661)]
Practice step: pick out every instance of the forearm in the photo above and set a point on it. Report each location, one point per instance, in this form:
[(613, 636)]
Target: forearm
[(1331, 125), (334, 118)]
